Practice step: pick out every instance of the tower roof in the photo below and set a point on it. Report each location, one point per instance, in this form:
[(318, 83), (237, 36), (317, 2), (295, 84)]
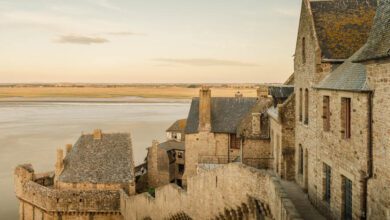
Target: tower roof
[(105, 160)]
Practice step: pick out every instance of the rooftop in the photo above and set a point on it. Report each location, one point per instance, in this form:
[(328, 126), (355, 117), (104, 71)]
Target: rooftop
[(342, 26), (347, 77), (378, 44), (172, 145), (105, 160), (226, 114), (178, 126)]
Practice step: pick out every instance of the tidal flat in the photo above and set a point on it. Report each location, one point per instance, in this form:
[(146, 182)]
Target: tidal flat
[(30, 132)]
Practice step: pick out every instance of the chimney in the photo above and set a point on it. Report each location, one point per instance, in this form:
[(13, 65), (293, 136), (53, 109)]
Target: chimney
[(68, 148), (239, 94), (204, 109), (155, 143), (97, 134), (262, 91), (60, 162)]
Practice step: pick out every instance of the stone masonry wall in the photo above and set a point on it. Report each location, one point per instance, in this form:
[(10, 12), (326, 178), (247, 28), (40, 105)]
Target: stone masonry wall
[(346, 157), (378, 74), (211, 193), (37, 200)]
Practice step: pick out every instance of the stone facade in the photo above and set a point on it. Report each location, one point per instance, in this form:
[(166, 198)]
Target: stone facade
[(378, 73), (38, 199), (282, 126), (215, 194)]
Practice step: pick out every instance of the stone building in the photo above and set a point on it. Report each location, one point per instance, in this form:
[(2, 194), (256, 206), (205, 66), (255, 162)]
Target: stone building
[(221, 130), (176, 130), (165, 163), (85, 183), (375, 56), (333, 113), (282, 127)]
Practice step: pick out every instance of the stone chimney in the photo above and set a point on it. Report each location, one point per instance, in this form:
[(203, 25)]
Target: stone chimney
[(262, 91), (97, 134), (68, 148), (59, 163), (239, 94), (204, 109)]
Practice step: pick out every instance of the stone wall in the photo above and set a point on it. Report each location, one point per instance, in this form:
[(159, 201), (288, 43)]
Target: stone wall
[(282, 128), (346, 157), (158, 166), (379, 187), (37, 200), (212, 193)]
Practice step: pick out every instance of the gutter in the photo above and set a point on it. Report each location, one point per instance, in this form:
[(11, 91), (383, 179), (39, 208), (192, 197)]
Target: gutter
[(369, 175)]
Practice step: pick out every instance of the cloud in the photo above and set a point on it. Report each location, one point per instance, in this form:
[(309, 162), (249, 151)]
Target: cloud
[(78, 39), (205, 62)]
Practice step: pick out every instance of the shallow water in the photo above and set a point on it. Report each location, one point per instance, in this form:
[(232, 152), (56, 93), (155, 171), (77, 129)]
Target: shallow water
[(31, 133)]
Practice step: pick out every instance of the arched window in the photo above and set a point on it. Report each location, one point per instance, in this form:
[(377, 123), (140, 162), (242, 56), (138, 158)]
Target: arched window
[(303, 50), (306, 106)]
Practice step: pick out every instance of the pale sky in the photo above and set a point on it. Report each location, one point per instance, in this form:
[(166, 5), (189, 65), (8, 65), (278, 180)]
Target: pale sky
[(147, 41)]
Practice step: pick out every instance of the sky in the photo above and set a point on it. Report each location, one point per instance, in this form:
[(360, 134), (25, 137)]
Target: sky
[(147, 41)]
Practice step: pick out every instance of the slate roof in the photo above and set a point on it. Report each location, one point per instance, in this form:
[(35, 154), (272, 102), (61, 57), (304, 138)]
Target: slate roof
[(281, 91), (342, 26), (226, 114), (172, 145), (347, 77), (178, 126), (109, 160), (378, 44)]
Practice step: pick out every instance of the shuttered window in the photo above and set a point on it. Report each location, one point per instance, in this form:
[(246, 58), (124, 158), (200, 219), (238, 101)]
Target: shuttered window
[(326, 113), (346, 118)]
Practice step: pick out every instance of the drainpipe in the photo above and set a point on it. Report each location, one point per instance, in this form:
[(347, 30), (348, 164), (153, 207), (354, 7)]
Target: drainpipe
[(370, 159)]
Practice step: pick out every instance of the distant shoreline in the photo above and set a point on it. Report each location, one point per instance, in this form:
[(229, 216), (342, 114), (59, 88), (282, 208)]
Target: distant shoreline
[(129, 99)]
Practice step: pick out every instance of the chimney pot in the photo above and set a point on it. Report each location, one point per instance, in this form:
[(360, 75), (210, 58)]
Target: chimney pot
[(97, 134), (68, 148), (239, 94)]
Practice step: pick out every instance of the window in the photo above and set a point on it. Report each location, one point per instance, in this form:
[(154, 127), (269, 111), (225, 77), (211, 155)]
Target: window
[(180, 154), (303, 50), (300, 104), (300, 167), (327, 182), (181, 168), (235, 142), (347, 198), (346, 118), (326, 113), (306, 107)]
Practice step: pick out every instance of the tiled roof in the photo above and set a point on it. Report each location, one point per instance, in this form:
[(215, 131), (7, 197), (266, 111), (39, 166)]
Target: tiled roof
[(281, 91), (172, 145), (108, 160), (226, 114), (178, 126), (378, 44), (347, 77), (342, 26), (245, 128)]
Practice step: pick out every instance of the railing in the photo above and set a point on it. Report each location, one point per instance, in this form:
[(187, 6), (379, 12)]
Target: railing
[(259, 163)]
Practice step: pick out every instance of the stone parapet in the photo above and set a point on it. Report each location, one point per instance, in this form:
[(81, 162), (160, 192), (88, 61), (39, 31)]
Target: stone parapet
[(229, 189)]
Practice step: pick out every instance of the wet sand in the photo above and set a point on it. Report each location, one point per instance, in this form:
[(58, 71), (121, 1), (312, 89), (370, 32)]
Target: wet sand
[(30, 132)]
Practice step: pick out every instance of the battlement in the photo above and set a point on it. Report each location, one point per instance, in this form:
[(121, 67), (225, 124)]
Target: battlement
[(214, 193), (38, 190)]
